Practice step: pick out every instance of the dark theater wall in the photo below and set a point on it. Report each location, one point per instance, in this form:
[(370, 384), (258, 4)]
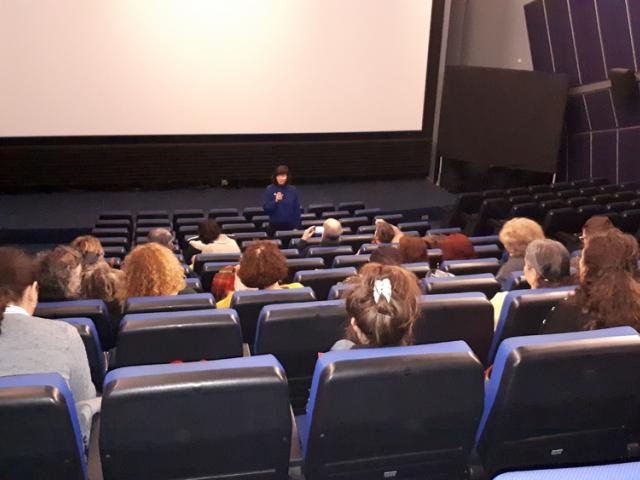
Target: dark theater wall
[(584, 39)]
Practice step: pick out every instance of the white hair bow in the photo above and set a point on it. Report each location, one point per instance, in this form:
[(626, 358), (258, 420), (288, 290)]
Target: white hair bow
[(382, 287)]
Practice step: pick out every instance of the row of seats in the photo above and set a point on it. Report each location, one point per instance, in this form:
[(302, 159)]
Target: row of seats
[(421, 411)]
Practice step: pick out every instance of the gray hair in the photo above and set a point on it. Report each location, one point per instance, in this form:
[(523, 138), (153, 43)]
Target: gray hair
[(550, 260), (162, 236)]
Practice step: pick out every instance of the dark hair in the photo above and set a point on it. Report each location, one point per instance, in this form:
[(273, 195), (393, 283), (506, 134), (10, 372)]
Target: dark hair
[(262, 265), (384, 323), (597, 225), (208, 231), (162, 236), (386, 255), (58, 273), (384, 233), (457, 247), (17, 272), (413, 249), (608, 292), (281, 170)]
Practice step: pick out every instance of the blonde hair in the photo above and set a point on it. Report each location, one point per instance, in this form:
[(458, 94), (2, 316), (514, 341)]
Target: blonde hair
[(518, 233), (151, 270), (88, 244)]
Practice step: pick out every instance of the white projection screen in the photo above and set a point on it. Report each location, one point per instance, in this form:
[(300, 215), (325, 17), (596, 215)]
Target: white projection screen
[(183, 67)]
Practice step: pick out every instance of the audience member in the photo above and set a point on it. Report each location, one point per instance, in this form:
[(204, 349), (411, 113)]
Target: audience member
[(382, 306), (595, 226), (89, 247), (34, 345), (210, 240), (151, 270), (413, 249), (331, 231), (607, 294), (161, 236), (386, 255), (60, 274), (457, 246), (262, 267), (546, 265), (386, 233), (516, 235)]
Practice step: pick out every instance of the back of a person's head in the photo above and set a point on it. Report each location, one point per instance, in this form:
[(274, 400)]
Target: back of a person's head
[(384, 232), (59, 273), (332, 229), (161, 236), (151, 270), (90, 248), (383, 305), (17, 272), (596, 225), (100, 281), (608, 290), (262, 265), (208, 231), (550, 260), (413, 249), (457, 246), (519, 232), (386, 255)]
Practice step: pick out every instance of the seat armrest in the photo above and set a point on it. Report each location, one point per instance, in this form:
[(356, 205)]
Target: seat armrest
[(246, 351), (94, 463)]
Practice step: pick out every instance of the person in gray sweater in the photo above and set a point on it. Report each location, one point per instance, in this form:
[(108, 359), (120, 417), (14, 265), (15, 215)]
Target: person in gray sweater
[(30, 344)]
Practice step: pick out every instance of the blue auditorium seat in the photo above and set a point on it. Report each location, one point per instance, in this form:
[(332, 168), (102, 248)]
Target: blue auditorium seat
[(616, 471), (222, 220), (195, 284), (485, 240), (248, 243), (318, 208), (189, 336), (295, 333), (219, 419), (226, 212), (89, 335), (487, 251), (367, 212), (515, 281), (352, 206), (395, 412), (230, 228), (350, 261), (249, 304), (251, 212), (390, 217), (444, 231), (483, 282), (202, 258), (472, 266), (339, 291), (96, 310), (144, 214), (328, 253), (355, 222), (321, 281), (523, 312), (295, 265), (355, 241), (564, 399), (41, 436), (420, 269), (197, 213), (287, 235), (181, 222), (122, 223), (169, 303), (335, 214), (456, 316), (116, 215), (209, 270), (420, 227), (153, 223)]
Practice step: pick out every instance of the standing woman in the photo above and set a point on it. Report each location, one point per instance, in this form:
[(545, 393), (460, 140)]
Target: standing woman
[(280, 202)]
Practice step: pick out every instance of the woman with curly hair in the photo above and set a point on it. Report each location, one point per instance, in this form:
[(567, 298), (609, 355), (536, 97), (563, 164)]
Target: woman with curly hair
[(262, 267), (60, 274), (382, 306), (151, 270), (608, 294)]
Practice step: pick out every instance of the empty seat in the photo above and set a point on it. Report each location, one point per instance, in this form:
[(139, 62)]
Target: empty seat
[(367, 212), (523, 312), (194, 283), (224, 212), (223, 220), (328, 253), (318, 208), (421, 227), (153, 223), (471, 267), (189, 336), (180, 222), (524, 198), (117, 252), (321, 281), (248, 243), (110, 232), (619, 206), (420, 269), (96, 310), (251, 212), (335, 214), (487, 251), (444, 231), (91, 341), (610, 188), (559, 186), (356, 241), (517, 191), (340, 291), (589, 191), (566, 194), (144, 214), (397, 418), (566, 220), (188, 213), (630, 221), (576, 202), (617, 471), (115, 223), (515, 281), (115, 242), (354, 222), (116, 215), (350, 261), (562, 399), (286, 235), (297, 264), (546, 196), (249, 303), (225, 418), (242, 236), (551, 205), (41, 436), (539, 188), (484, 283), (589, 182), (238, 227), (485, 240), (603, 198), (456, 316), (315, 222), (295, 333), (351, 206), (588, 211), (390, 217), (202, 258), (626, 196), (171, 303)]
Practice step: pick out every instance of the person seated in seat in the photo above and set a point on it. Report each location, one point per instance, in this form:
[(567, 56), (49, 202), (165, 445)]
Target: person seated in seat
[(608, 295), (210, 240), (595, 226), (331, 231), (161, 236), (386, 255), (456, 246), (151, 270), (30, 344), (60, 274), (262, 267), (382, 307), (89, 247), (386, 233), (546, 265), (413, 249), (516, 234)]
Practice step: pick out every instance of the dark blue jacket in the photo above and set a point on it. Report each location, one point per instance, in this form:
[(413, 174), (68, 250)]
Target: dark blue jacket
[(285, 213)]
